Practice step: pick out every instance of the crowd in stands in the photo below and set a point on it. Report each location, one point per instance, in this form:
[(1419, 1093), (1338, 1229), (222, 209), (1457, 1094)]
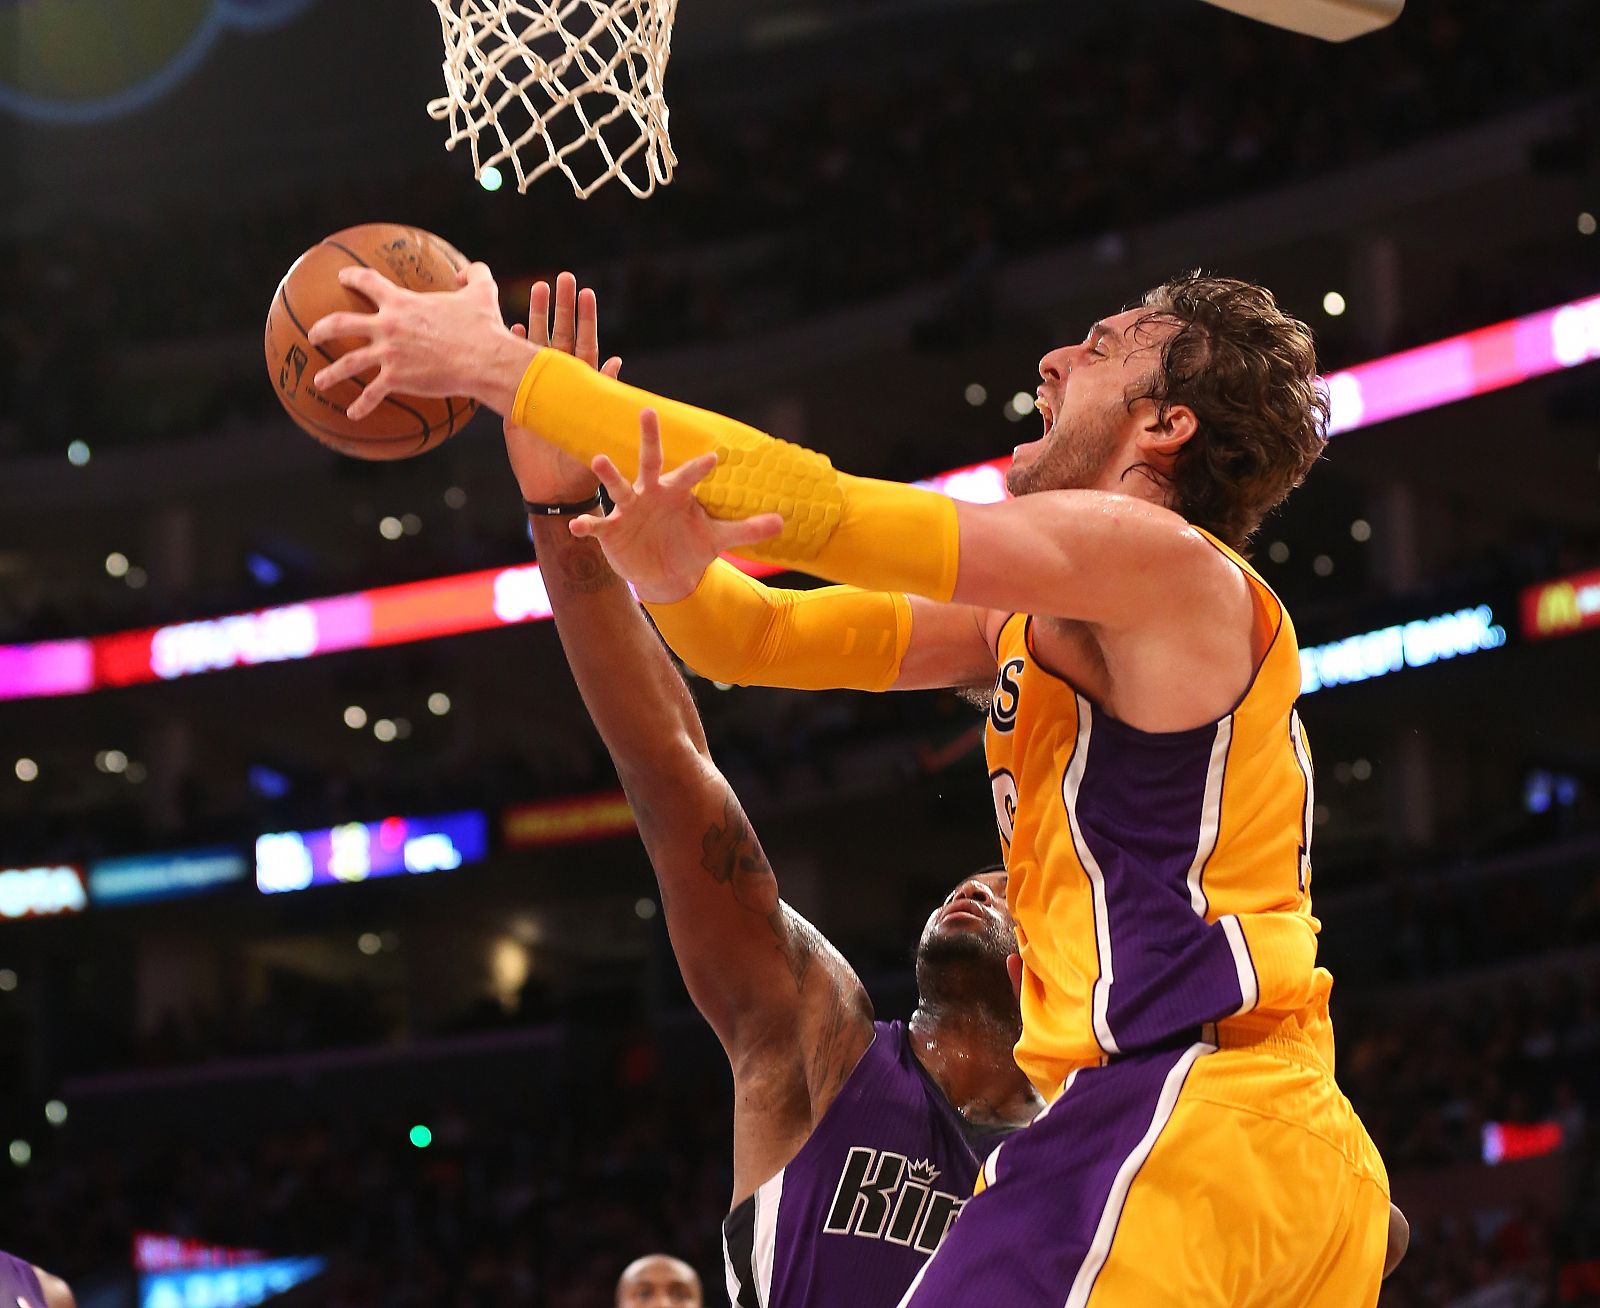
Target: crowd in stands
[(1431, 1078), (541, 1201), (776, 747), (1441, 918), (1429, 1075)]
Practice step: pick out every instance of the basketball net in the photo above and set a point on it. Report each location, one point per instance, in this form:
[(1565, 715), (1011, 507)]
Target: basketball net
[(568, 84)]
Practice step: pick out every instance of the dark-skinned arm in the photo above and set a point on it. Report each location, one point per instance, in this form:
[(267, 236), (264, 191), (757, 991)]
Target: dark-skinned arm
[(788, 1009)]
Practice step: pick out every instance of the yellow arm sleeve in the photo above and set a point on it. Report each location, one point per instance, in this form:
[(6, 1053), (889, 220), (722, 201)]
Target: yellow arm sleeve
[(878, 535), (735, 630)]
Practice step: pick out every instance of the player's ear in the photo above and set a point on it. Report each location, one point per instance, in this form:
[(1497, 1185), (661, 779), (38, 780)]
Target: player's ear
[(1162, 435)]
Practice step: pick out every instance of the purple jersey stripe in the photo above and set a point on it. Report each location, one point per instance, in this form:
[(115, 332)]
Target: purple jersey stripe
[(1039, 1234), (1144, 809)]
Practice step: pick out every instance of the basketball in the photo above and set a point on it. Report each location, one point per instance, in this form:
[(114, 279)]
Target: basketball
[(402, 426)]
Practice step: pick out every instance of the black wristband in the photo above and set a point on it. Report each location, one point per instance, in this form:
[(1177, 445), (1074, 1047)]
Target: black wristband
[(562, 510)]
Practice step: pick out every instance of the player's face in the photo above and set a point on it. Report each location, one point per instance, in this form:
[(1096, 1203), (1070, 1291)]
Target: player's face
[(973, 921), (659, 1283), (1083, 406)]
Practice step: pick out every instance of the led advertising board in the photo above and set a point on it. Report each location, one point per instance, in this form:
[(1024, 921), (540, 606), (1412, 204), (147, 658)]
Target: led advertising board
[(226, 1287), (142, 878), (562, 821), (44, 891), (1562, 607), (365, 851), (1405, 645)]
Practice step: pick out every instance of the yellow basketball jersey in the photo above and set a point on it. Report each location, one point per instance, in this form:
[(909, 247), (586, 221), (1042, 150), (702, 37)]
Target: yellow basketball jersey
[(1160, 881)]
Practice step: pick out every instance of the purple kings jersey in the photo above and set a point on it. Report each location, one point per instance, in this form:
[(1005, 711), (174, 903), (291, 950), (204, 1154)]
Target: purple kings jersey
[(19, 1287), (856, 1213)]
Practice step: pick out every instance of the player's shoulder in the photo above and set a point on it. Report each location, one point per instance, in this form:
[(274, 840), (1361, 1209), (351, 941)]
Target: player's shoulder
[(1147, 527), (1232, 568), (1200, 573)]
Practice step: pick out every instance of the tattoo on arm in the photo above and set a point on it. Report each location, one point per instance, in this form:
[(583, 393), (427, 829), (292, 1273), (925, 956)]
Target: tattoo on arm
[(798, 941), (582, 570), (834, 1017), (733, 856), (826, 1066)]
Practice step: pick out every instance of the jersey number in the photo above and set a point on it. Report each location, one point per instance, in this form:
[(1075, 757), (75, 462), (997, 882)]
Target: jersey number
[(1004, 786)]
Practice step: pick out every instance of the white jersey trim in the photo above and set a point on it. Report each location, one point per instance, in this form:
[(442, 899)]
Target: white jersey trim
[(1210, 815), (769, 1198), (1243, 964)]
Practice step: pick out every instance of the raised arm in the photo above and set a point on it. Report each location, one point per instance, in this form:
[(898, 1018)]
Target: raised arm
[(752, 965), (786, 1006)]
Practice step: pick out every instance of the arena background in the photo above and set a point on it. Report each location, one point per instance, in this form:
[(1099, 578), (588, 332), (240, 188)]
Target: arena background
[(484, 1084)]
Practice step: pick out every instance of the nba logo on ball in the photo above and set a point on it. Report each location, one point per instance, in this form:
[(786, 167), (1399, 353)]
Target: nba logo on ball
[(294, 368)]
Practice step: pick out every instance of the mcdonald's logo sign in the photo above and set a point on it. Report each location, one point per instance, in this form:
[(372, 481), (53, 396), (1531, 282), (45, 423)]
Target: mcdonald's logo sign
[(1559, 608)]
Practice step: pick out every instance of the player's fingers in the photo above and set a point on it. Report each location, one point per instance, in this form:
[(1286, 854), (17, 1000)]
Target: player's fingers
[(588, 328), (689, 475), (564, 334), (586, 524), (539, 313), (334, 325), (612, 366), (649, 449), (372, 395), (519, 331), (481, 284), (612, 479), (346, 366), (748, 531), (371, 283)]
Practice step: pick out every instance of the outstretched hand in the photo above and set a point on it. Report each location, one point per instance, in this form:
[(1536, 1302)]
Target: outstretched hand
[(434, 344), (658, 536), (545, 474)]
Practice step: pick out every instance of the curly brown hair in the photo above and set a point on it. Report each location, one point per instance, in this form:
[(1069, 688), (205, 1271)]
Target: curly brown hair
[(1249, 372)]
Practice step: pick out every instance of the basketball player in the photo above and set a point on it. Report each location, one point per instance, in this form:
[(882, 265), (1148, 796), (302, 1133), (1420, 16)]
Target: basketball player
[(659, 1281), (855, 1142), (1152, 781), (22, 1285)]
